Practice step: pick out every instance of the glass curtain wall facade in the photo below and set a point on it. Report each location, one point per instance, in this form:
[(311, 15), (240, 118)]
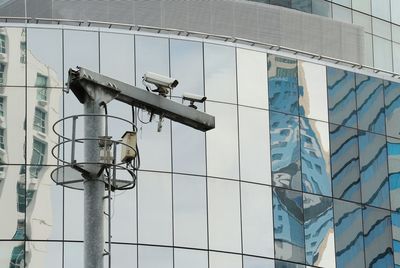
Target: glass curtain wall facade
[(379, 18), (302, 169)]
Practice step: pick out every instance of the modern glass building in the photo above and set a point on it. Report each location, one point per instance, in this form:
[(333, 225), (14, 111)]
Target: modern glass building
[(302, 169)]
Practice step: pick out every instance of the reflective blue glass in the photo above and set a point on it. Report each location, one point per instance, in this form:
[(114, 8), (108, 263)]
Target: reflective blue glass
[(284, 264), (285, 150), (392, 102), (341, 97), (288, 225), (315, 167), (318, 230), (283, 85), (345, 164), (370, 106), (348, 234), (393, 149), (377, 237), (396, 237), (373, 167)]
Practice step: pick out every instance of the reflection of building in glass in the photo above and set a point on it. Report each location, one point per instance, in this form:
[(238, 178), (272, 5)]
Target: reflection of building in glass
[(13, 126), (302, 169)]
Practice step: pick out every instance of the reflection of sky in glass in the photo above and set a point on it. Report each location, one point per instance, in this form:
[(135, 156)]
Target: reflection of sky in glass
[(348, 234), (396, 237), (341, 97), (393, 149), (377, 237), (373, 167), (392, 102), (345, 163), (371, 110), (288, 225)]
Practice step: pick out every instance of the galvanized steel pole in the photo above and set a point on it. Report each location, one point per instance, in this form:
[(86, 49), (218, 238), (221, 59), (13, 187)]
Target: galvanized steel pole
[(94, 188)]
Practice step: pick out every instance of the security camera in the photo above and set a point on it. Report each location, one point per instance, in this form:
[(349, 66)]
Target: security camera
[(163, 83), (193, 98)]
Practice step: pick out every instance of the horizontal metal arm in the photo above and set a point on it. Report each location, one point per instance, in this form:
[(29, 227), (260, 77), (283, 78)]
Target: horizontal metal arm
[(83, 82)]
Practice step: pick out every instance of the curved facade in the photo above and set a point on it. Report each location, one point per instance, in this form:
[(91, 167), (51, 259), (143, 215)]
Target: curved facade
[(301, 170)]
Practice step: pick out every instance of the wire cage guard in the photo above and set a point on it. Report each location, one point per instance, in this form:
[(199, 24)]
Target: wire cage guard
[(72, 172)]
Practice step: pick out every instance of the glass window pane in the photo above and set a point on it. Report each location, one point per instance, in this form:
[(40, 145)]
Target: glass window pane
[(81, 48), (381, 9), (252, 78), (373, 166), (12, 254), (396, 237), (318, 230), (254, 145), (223, 140), (396, 33), (396, 57), (393, 148), (13, 70), (283, 264), (220, 73), (123, 224), (184, 258), (381, 28), (313, 94), (362, 5), (124, 55), (395, 11), (154, 208), (322, 8), (224, 260), (12, 202), (346, 3), (348, 234), (187, 67), (190, 211), (152, 55), (187, 141), (224, 215), (282, 84), (392, 111), (123, 256), (341, 97), (345, 163), (315, 157), (382, 53), (371, 112), (302, 5), (368, 54), (73, 215), (341, 13), (377, 237), (253, 262), (42, 254), (257, 220), (155, 257), (45, 56), (363, 21), (288, 225), (285, 150), (73, 255)]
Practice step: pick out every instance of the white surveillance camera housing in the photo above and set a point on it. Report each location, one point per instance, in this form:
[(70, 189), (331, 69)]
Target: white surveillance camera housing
[(193, 98), (163, 83)]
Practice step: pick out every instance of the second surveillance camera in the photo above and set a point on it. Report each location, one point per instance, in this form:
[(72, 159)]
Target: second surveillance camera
[(193, 98), (163, 83)]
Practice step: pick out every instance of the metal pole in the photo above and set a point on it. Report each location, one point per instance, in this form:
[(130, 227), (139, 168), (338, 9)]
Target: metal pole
[(93, 189)]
